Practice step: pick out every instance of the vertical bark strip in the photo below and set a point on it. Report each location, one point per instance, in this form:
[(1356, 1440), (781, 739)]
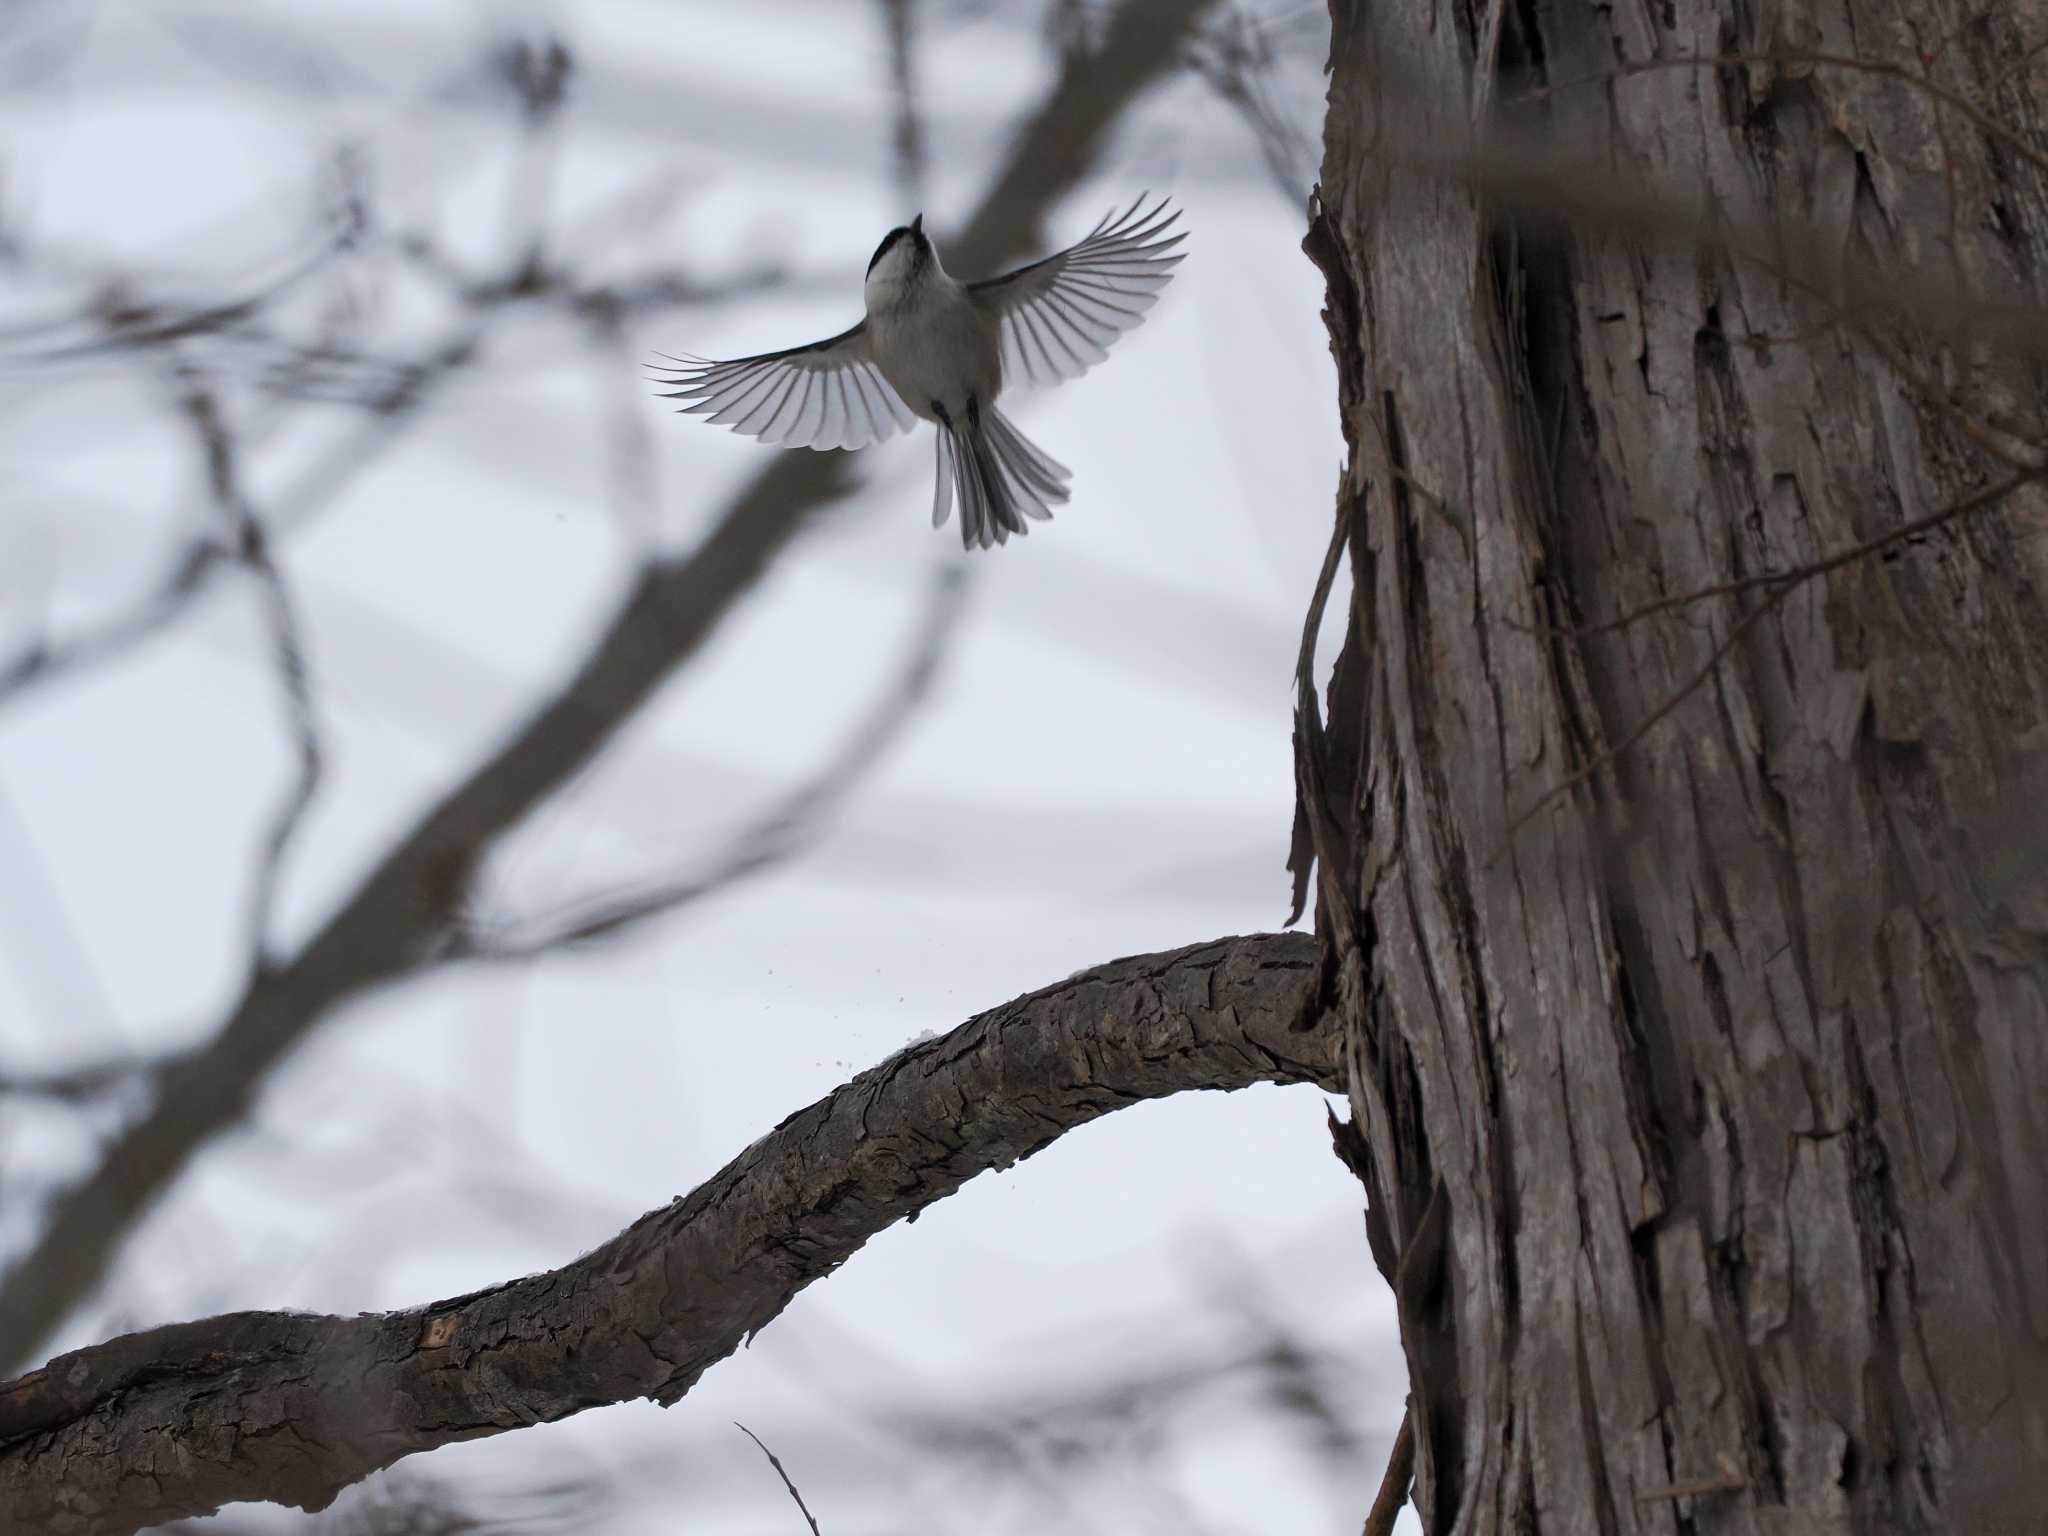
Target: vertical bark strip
[(1701, 1112)]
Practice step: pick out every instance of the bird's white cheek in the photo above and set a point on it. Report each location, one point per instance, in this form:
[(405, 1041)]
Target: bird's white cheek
[(884, 290)]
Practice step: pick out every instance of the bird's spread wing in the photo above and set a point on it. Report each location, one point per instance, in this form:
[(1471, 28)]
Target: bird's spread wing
[(1059, 315), (827, 395)]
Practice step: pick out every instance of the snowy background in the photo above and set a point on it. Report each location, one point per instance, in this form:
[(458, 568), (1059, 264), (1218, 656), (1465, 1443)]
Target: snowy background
[(1167, 1320)]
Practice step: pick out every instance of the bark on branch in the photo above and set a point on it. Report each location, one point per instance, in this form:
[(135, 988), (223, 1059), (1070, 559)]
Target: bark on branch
[(292, 1408)]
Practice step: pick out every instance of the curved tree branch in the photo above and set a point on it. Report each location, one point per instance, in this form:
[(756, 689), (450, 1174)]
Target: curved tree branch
[(292, 1408)]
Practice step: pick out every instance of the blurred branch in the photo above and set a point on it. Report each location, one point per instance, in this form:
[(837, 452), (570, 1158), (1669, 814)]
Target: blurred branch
[(780, 832), (1553, 191), (390, 410), (633, 481), (43, 948), (248, 539), (418, 1506), (1237, 58), (126, 323), (407, 911), (1137, 1425), (1791, 61), (899, 17), (538, 74), (392, 394), (158, 1425), (77, 1084), (1087, 1420), (1296, 1378)]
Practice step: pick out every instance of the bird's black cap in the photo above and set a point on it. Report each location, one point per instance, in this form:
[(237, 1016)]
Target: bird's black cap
[(913, 232)]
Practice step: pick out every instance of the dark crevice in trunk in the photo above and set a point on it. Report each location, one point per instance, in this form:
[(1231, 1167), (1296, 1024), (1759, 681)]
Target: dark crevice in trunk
[(1652, 1075), (1603, 1492)]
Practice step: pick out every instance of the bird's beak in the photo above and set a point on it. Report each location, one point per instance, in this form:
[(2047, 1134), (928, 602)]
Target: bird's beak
[(917, 225)]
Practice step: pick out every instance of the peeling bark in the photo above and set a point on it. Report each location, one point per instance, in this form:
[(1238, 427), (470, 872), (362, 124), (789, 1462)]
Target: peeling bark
[(1700, 1113), (292, 1408)]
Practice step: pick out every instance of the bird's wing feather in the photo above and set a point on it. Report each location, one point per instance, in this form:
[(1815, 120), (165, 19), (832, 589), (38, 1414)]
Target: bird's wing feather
[(1058, 316), (829, 394)]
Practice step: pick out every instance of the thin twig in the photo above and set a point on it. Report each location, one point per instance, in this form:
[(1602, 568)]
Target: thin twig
[(402, 389), (2009, 444), (125, 324), (1779, 585), (1649, 722), (776, 1462), (288, 651), (1400, 1474), (2021, 64), (389, 411), (41, 659), (1904, 533), (1237, 61), (788, 825)]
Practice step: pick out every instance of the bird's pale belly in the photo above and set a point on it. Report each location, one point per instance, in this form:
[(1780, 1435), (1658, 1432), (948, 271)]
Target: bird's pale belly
[(938, 355)]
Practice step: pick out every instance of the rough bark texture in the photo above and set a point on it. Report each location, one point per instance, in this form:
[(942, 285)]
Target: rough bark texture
[(1702, 1111), (293, 1408)]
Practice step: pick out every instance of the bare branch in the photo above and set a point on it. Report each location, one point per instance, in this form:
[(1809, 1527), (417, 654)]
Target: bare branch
[(246, 534), (79, 1084), (780, 832), (1238, 60), (123, 322), (418, 1506), (392, 392), (166, 1424), (390, 409), (776, 1462)]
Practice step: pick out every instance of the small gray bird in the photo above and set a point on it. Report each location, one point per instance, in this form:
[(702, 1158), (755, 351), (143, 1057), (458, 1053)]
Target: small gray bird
[(942, 350)]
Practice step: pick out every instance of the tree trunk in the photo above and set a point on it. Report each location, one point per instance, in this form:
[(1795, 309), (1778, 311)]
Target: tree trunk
[(1703, 1106)]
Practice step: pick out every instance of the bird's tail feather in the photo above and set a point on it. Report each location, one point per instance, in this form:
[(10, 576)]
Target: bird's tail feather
[(1001, 476)]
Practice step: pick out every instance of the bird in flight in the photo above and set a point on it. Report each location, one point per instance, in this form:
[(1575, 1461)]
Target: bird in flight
[(935, 348)]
